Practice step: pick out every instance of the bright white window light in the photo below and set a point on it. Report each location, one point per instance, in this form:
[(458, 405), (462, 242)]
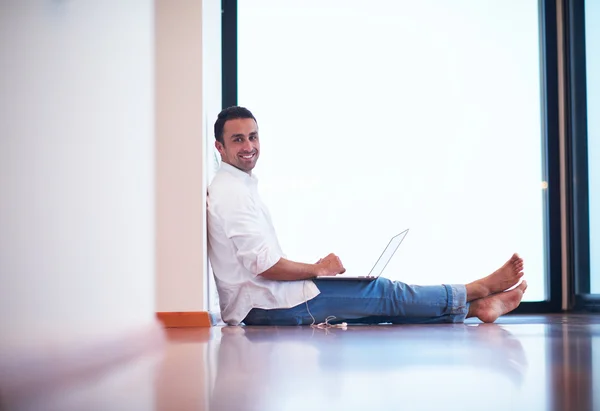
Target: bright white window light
[(592, 45), (380, 116)]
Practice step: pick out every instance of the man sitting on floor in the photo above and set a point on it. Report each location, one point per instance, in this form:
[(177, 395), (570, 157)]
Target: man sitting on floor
[(257, 285)]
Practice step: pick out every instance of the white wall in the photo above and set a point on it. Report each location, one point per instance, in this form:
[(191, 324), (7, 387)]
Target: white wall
[(212, 102), (76, 169), (180, 188)]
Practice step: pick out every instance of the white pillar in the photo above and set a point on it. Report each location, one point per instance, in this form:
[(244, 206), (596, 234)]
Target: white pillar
[(181, 190)]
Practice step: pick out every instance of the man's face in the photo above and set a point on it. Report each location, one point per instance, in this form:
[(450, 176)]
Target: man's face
[(241, 148)]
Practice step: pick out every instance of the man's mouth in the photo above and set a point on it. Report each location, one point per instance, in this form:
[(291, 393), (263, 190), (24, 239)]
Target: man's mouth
[(247, 156)]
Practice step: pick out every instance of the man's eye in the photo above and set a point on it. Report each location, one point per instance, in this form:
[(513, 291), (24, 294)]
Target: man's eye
[(253, 137)]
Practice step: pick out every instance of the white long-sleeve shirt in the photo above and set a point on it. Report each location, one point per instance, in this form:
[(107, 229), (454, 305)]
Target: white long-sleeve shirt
[(242, 244)]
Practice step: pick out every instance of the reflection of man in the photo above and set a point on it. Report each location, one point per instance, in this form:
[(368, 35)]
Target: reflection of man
[(257, 285), (260, 368)]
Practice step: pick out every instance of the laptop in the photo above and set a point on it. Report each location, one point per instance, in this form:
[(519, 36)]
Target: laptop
[(379, 266)]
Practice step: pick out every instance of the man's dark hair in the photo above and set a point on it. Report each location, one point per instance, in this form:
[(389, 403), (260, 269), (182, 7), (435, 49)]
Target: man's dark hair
[(230, 113)]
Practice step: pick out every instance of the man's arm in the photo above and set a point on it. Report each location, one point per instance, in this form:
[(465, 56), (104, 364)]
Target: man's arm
[(287, 270), (256, 249)]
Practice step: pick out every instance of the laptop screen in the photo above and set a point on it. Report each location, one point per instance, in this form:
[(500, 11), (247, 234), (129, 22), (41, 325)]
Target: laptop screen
[(387, 254)]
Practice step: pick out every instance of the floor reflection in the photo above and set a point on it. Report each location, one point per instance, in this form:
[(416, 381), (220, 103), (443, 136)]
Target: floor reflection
[(289, 368), (522, 363)]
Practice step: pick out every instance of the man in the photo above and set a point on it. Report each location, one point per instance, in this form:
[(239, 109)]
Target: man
[(257, 285)]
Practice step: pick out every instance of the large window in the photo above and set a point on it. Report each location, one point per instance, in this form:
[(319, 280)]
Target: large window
[(380, 116), (592, 42)]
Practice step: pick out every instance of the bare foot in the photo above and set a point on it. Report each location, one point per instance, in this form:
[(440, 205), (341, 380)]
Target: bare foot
[(490, 308), (500, 280)]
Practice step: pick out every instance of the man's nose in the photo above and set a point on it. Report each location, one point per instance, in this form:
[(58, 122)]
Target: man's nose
[(248, 146)]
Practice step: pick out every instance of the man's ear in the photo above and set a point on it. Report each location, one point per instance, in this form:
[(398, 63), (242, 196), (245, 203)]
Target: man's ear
[(220, 147)]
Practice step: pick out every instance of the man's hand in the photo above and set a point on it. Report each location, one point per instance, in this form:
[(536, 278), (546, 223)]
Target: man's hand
[(286, 270), (330, 266)]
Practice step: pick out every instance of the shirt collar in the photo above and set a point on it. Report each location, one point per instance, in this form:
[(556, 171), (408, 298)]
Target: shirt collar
[(237, 173)]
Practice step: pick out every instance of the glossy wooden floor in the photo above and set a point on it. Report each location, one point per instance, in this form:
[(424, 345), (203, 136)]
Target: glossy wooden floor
[(520, 363)]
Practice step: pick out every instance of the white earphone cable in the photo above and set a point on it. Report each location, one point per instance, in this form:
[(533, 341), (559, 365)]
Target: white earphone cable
[(325, 324)]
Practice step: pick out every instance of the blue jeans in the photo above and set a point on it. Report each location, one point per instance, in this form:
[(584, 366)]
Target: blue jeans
[(372, 302)]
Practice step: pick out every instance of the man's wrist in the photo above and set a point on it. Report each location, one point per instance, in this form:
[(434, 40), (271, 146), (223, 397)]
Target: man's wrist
[(314, 270)]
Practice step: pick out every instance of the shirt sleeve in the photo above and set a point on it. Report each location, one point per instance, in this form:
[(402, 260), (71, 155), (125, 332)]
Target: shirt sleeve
[(254, 244)]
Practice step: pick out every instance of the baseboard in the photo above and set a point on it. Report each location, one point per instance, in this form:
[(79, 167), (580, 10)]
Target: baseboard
[(185, 319)]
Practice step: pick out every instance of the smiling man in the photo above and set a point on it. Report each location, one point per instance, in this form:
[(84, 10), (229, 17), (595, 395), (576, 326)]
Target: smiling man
[(242, 148), (257, 285)]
